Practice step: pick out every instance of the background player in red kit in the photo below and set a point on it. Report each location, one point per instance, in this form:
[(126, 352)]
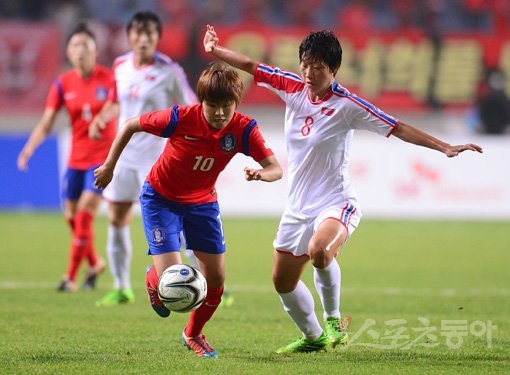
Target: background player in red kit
[(179, 193), (83, 91)]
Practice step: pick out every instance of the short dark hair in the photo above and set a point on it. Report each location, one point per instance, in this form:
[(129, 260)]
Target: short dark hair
[(143, 19), (220, 84), (321, 46), (79, 29)]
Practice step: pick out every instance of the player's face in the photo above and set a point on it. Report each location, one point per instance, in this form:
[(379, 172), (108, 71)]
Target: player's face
[(218, 115), (82, 51), (143, 39), (317, 76)]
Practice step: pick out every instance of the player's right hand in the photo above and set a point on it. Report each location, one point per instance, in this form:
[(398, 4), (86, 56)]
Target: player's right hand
[(22, 161), (211, 39), (103, 176)]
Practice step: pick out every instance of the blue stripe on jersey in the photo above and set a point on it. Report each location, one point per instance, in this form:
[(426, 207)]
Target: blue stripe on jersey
[(348, 212), (246, 137), (162, 58), (172, 124), (60, 90), (376, 111), (278, 71)]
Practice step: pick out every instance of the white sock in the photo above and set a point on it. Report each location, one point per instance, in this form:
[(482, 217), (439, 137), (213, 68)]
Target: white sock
[(300, 306), (120, 250), (191, 258), (327, 283)]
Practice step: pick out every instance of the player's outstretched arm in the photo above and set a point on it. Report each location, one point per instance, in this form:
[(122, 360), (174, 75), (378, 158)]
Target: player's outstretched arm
[(271, 170), (410, 134), (104, 173), (98, 123), (236, 59), (38, 135)]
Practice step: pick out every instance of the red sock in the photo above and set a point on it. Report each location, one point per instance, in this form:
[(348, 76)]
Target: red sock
[(80, 246), (84, 231), (200, 316), (151, 278)]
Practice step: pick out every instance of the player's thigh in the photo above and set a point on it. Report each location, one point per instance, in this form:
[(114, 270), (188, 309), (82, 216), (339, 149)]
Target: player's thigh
[(165, 260), (91, 196), (162, 222), (287, 270), (203, 229), (213, 268), (326, 241), (72, 184), (119, 213), (294, 234), (70, 207), (125, 186), (89, 201)]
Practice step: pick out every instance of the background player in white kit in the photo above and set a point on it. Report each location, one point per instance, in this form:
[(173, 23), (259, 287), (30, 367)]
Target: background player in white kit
[(147, 80), (322, 209)]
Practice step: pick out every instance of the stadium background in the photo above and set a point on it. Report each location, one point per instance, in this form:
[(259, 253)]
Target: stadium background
[(425, 62)]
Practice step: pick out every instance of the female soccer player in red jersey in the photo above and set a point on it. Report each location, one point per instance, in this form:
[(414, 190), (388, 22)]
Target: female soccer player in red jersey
[(179, 193), (322, 209), (83, 91)]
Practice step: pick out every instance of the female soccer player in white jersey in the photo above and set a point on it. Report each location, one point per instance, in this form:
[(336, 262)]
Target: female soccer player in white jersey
[(147, 80), (322, 209)]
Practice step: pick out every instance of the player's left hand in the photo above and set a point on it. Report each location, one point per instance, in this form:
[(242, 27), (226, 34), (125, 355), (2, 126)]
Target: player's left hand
[(252, 174), (96, 125), (103, 176), (453, 151)]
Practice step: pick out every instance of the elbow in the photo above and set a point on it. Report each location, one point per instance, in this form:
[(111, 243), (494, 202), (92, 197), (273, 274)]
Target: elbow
[(278, 173)]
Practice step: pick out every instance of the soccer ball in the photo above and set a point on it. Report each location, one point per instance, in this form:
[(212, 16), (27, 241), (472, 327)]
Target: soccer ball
[(182, 288)]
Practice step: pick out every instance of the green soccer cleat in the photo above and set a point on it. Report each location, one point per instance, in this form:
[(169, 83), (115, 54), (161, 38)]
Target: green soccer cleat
[(336, 331), (227, 299), (117, 297), (303, 345)]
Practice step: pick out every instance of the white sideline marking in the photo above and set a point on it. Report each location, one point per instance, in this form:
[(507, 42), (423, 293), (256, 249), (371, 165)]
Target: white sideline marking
[(447, 292)]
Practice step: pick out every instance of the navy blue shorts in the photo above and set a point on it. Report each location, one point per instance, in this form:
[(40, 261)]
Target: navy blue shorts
[(77, 181), (164, 220)]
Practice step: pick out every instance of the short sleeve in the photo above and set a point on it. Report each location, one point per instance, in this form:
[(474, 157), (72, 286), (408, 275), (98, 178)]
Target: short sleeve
[(279, 81), (161, 123), (254, 144), (112, 92), (180, 88), (365, 116), (55, 97)]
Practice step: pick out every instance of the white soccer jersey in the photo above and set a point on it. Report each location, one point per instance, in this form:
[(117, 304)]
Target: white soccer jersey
[(318, 136), (154, 87)]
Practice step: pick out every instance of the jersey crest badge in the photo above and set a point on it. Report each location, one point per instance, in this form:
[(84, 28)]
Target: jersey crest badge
[(101, 93), (228, 142), (158, 236), (327, 111)]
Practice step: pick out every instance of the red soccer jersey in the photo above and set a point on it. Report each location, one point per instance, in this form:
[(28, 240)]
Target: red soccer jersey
[(83, 99), (196, 153)]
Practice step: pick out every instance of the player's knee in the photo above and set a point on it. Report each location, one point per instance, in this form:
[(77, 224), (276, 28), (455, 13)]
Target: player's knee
[(283, 284), (118, 221), (318, 253), (215, 281)]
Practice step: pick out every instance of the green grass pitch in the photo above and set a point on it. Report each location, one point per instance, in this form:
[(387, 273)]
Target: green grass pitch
[(412, 287)]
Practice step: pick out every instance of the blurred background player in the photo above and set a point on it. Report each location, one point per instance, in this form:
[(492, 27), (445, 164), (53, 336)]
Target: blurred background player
[(83, 91), (179, 194), (146, 80), (322, 208)]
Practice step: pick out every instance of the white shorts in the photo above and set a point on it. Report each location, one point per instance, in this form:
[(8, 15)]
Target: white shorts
[(295, 231), (126, 184)]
